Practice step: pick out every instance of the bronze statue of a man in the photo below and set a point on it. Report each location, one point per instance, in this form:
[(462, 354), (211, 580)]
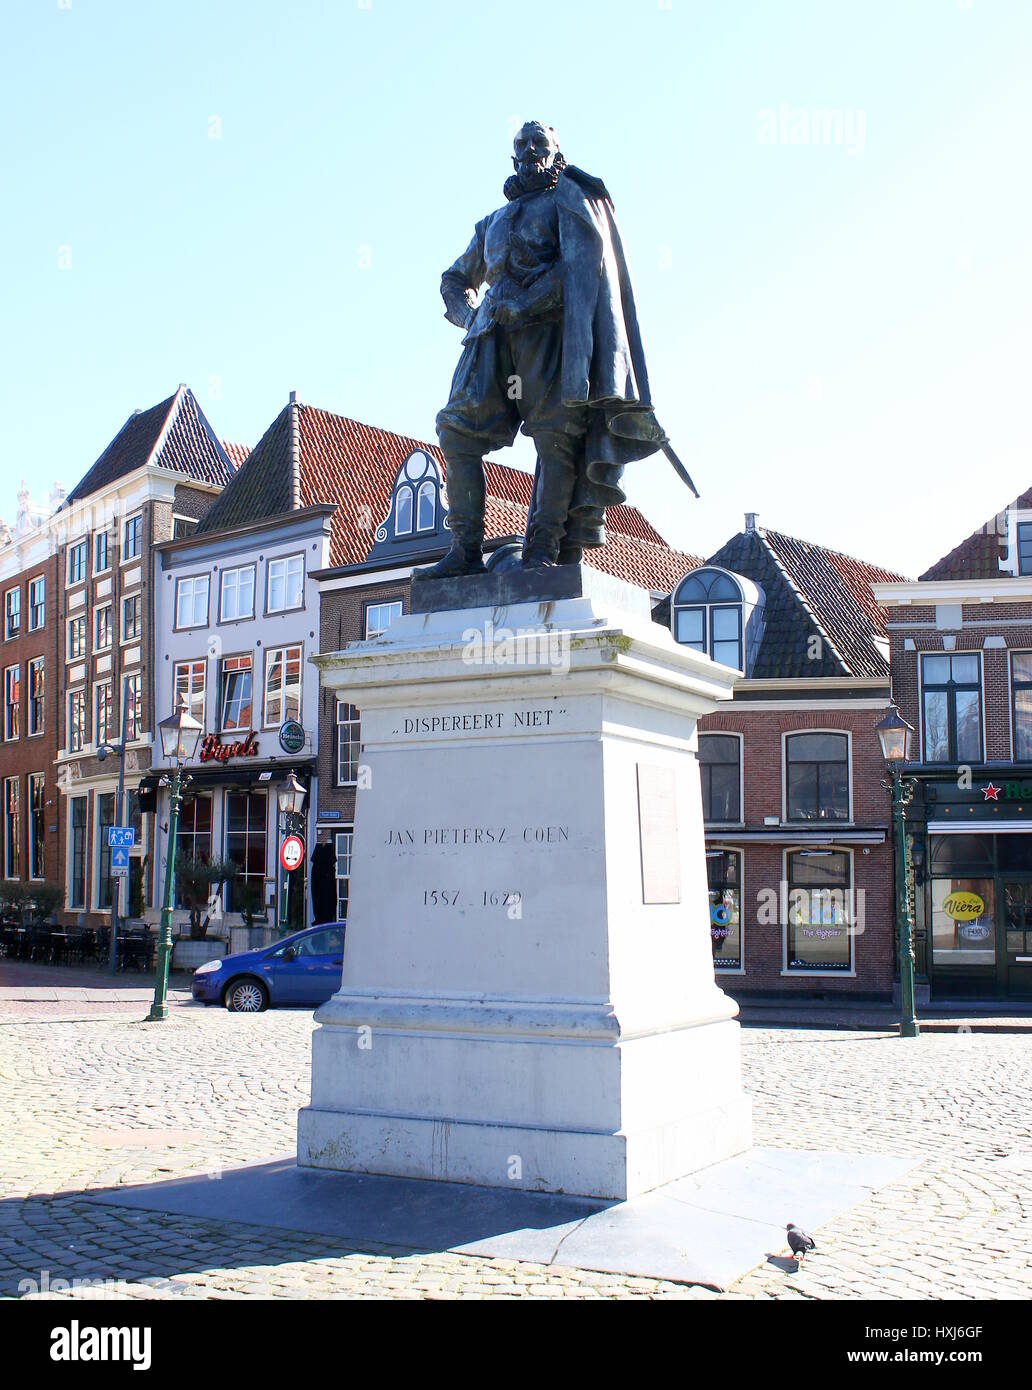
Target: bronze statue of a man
[(553, 348)]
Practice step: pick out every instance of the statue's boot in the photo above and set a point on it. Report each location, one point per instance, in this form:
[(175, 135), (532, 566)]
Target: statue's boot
[(556, 476), (467, 496)]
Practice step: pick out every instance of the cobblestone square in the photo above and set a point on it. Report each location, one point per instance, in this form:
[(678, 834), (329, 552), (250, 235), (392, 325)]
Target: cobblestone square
[(91, 1097)]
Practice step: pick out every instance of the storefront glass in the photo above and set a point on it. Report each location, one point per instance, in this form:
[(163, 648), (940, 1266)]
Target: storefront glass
[(246, 838), (724, 871), (820, 895), (963, 917)]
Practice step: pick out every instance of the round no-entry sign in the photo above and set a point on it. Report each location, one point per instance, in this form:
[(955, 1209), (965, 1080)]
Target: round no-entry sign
[(292, 851)]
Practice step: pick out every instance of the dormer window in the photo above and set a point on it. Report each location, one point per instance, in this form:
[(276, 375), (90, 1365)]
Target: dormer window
[(1025, 547), (415, 513), (707, 616), (403, 511)]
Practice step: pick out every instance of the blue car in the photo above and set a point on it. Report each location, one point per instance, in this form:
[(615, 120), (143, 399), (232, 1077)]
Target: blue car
[(301, 969)]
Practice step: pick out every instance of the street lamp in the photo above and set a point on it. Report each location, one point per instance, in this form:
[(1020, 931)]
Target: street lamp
[(180, 734), (292, 798), (894, 735)]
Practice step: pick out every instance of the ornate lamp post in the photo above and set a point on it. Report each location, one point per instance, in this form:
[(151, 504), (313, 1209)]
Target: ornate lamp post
[(894, 735), (180, 734)]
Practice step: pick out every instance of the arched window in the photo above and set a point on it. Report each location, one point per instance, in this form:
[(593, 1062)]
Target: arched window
[(426, 506), (403, 512), (708, 616)]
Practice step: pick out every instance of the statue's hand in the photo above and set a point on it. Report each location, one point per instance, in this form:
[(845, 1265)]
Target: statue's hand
[(504, 312)]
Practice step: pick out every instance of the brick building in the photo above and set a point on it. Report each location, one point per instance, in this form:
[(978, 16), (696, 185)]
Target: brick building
[(961, 639), (797, 843), (29, 803), (155, 479)]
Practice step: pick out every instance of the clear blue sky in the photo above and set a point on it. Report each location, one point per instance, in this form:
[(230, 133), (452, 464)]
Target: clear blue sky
[(838, 333)]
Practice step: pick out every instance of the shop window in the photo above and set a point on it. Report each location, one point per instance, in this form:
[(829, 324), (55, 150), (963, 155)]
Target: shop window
[(720, 769), (724, 873), (12, 835), (246, 837), (379, 617), (349, 746), (820, 910), (952, 708), (193, 842), (342, 841), (963, 917), (77, 883), (105, 818), (817, 777), (37, 824)]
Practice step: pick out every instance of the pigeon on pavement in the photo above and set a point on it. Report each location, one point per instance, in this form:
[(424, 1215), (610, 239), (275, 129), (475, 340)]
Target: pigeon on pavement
[(799, 1241)]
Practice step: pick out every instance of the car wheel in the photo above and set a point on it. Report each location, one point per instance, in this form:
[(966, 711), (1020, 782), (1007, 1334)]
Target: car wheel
[(246, 996)]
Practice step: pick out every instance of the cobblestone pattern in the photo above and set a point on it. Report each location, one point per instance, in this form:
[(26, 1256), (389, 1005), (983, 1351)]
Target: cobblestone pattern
[(113, 1100)]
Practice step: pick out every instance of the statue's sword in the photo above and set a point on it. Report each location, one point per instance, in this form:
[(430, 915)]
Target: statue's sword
[(679, 468)]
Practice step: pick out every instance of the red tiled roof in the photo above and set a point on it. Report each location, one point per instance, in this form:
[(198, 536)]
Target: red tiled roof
[(174, 434), (237, 452), (979, 556), (353, 467)]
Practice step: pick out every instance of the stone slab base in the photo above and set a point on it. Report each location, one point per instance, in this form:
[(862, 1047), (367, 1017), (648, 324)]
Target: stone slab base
[(574, 1162)]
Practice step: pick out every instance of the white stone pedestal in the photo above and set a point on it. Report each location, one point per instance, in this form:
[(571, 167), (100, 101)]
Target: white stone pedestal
[(528, 996)]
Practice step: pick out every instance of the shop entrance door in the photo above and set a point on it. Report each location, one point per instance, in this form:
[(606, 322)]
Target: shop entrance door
[(1014, 950)]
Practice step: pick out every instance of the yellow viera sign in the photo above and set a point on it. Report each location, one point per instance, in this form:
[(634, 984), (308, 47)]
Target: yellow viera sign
[(963, 907)]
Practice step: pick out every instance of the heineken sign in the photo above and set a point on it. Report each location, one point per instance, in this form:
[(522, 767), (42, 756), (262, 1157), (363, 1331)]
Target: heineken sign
[(1007, 791), (292, 736)]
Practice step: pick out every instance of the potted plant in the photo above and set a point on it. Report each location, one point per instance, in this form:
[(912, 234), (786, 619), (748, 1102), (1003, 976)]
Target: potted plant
[(200, 881), (42, 900), (247, 899)]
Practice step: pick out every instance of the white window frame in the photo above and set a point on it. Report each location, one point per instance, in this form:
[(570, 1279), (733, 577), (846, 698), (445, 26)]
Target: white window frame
[(833, 824), (392, 603), (725, 847), (285, 561), (99, 690), (235, 573), (12, 707), (270, 654), (728, 733), (849, 974), (75, 548), (136, 598), (195, 691), (427, 488), (30, 730), (131, 722), (30, 625), (99, 536), (354, 721), (14, 592), (194, 581), (14, 782), (137, 520), (982, 702), (30, 838), (222, 725), (78, 696), (73, 622), (73, 905), (341, 831), (98, 614)]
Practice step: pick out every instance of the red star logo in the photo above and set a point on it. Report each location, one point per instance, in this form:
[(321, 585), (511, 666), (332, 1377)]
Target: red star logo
[(991, 793)]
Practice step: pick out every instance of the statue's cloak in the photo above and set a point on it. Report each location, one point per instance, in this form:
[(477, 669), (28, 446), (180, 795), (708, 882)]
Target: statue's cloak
[(603, 359)]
